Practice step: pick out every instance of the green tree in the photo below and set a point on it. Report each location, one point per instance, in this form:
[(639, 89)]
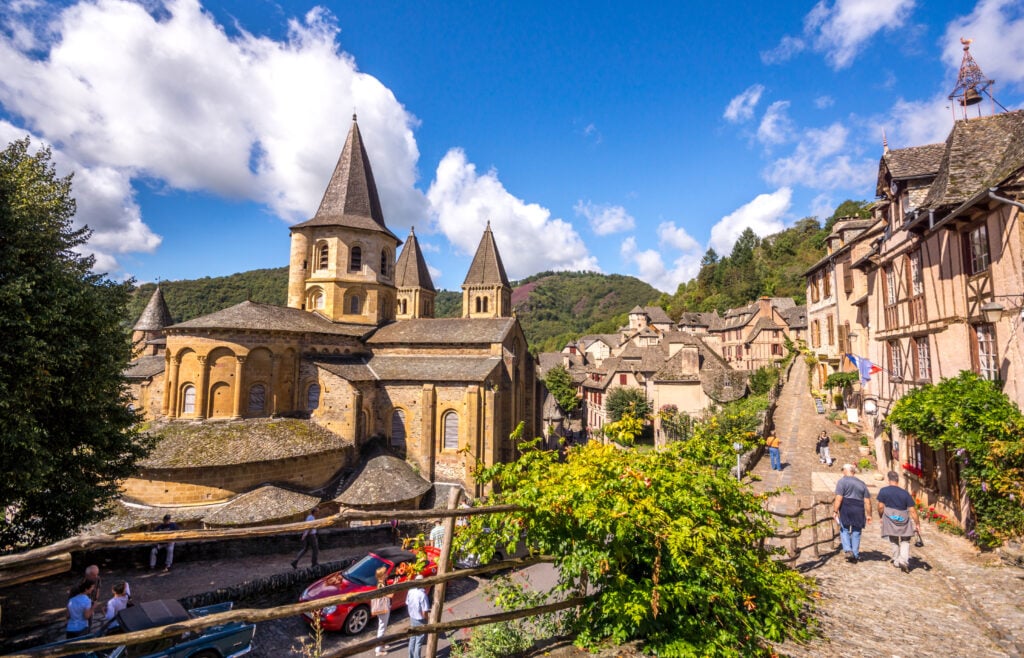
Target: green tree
[(667, 546), (849, 208), (977, 423), (763, 379), (628, 400), (67, 432), (559, 383)]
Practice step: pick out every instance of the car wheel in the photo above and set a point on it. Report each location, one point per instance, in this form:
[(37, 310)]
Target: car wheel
[(357, 620)]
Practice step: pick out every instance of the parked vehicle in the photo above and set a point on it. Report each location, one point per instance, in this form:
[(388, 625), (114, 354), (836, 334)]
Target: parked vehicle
[(352, 618), (466, 560), (228, 640)]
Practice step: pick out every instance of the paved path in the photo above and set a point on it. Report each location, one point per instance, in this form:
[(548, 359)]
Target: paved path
[(955, 601)]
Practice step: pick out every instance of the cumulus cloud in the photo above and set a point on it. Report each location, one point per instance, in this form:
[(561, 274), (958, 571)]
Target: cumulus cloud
[(763, 215), (997, 27), (841, 29), (605, 219), (824, 160), (741, 108), (822, 102), (650, 264), (171, 96), (104, 202), (776, 127), (463, 201)]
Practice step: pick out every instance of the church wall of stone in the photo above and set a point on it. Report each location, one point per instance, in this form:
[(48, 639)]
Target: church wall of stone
[(340, 401), (196, 486)]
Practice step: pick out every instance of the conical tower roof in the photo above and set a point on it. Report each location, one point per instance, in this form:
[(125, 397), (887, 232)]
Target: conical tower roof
[(411, 270), (156, 316), (351, 198), (486, 268)]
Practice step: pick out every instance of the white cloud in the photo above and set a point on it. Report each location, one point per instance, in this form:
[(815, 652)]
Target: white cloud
[(841, 29), (913, 123), (651, 268), (763, 215), (741, 108), (605, 219), (822, 102), (463, 201), (997, 28), (105, 202), (676, 237), (822, 206), (824, 160), (776, 127), (238, 116), (788, 48)]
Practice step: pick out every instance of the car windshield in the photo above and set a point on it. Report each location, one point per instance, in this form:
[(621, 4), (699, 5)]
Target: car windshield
[(364, 571)]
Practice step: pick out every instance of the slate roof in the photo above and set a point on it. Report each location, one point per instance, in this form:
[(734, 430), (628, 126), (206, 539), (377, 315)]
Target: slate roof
[(694, 319), (443, 331), (486, 268), (548, 360), (439, 368), (657, 315), (156, 316), (262, 505), (762, 324), (145, 367), (672, 370), (709, 357), (382, 480), (908, 163), (267, 317), (637, 310), (351, 198), (611, 340), (979, 153), (411, 270), (796, 317), (205, 444)]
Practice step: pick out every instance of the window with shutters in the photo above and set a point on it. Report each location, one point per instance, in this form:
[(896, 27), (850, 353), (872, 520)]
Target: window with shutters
[(830, 330), (816, 333), (985, 357), (895, 359), (915, 283), (257, 399), (622, 379), (815, 290), (322, 255), (312, 397), (450, 423), (188, 405), (826, 283), (922, 358), (398, 429), (922, 459), (978, 256), (891, 296), (847, 279)]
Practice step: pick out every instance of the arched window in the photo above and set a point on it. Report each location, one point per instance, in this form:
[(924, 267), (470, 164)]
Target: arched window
[(354, 306), (312, 397), (316, 300), (364, 424), (477, 304), (257, 399), (355, 260), (485, 304), (188, 406), (450, 423), (398, 429), (403, 306), (321, 257), (384, 262)]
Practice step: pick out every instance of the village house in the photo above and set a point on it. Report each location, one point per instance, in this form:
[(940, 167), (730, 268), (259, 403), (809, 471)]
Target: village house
[(944, 280), (356, 351)]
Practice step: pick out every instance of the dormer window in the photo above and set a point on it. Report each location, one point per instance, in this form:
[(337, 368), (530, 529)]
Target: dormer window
[(355, 261)]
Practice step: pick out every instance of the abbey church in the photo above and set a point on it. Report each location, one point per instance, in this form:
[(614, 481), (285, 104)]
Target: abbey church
[(356, 350)]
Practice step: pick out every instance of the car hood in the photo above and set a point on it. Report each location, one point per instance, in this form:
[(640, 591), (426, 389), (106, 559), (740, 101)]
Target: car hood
[(332, 585)]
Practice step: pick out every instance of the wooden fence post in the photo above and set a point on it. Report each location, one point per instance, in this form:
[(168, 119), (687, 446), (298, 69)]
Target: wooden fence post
[(814, 528), (442, 569)]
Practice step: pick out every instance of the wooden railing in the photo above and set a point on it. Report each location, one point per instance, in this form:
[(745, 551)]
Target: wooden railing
[(816, 517)]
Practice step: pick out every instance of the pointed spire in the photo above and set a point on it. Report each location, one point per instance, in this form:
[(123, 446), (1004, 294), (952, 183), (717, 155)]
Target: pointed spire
[(411, 270), (156, 316), (487, 268), (351, 196)]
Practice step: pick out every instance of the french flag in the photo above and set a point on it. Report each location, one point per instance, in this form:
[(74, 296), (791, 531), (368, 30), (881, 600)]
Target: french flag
[(864, 367)]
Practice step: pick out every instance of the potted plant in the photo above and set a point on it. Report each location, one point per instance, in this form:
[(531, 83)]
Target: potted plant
[(864, 448)]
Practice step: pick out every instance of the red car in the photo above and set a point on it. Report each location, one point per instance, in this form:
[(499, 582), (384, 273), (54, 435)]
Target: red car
[(352, 618)]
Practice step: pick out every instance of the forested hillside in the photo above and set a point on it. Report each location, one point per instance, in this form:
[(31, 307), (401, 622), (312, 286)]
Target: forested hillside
[(191, 298)]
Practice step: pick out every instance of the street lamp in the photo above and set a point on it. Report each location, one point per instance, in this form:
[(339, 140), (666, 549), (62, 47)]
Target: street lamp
[(993, 310), (738, 447)]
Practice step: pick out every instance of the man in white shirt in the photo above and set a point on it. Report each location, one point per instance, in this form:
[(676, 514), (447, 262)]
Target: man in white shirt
[(309, 543), (418, 605)]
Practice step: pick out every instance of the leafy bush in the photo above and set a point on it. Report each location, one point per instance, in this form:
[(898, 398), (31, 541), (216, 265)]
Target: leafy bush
[(975, 421), (864, 464), (666, 544), (763, 379), (628, 400), (513, 637)]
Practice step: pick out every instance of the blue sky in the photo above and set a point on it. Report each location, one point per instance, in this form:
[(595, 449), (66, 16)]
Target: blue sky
[(623, 138)]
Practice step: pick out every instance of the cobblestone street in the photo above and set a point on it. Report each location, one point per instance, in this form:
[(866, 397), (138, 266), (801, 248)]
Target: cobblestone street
[(955, 601)]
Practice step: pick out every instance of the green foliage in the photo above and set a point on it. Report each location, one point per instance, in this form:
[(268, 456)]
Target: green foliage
[(448, 304), (67, 432), (841, 380), (763, 379), (512, 637), (849, 208), (559, 383), (677, 425), (664, 543), (193, 298), (628, 400), (625, 430), (984, 429), (864, 464)]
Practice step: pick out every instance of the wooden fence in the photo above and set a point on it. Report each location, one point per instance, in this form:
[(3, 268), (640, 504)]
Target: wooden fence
[(816, 518)]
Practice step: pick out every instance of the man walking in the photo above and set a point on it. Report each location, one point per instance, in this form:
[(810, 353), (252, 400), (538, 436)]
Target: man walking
[(899, 517), (309, 543), (852, 511), (773, 451), (418, 606), (166, 526)]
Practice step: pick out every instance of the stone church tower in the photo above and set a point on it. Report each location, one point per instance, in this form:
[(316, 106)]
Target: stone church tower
[(486, 292), (148, 332), (342, 262), (412, 278)]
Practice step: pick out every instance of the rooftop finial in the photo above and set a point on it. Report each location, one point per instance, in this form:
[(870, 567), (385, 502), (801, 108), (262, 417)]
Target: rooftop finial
[(412, 230), (353, 117), (885, 142), (971, 83)]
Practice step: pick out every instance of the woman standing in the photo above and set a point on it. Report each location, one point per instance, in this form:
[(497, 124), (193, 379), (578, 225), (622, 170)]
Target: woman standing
[(80, 609), (381, 607)]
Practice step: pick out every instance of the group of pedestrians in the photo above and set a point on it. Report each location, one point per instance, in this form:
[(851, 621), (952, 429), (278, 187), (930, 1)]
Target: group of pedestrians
[(83, 604), (896, 510)]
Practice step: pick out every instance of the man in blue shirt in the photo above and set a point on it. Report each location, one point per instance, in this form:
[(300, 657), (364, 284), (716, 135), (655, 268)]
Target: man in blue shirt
[(166, 526), (418, 605), (898, 512)]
